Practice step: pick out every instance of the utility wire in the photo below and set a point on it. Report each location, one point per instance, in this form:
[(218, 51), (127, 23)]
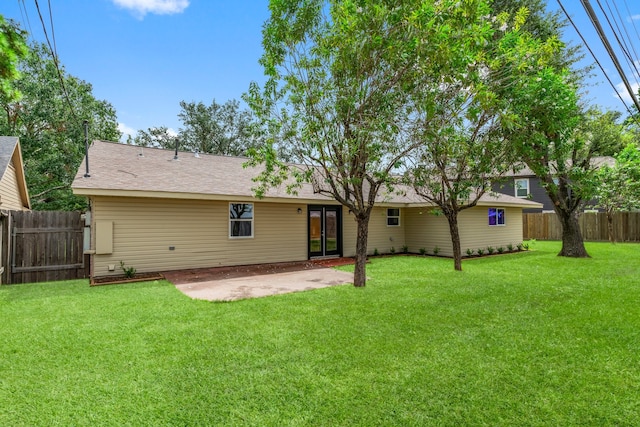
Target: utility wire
[(595, 58), (626, 32), (607, 45), (55, 62), (632, 20), (622, 44)]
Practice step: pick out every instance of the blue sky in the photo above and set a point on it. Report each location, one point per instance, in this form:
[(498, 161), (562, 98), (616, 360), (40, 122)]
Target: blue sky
[(145, 56)]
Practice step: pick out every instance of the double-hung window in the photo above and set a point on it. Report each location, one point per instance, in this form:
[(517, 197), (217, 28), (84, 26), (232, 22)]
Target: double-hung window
[(496, 216), (393, 217), (522, 187), (240, 220)]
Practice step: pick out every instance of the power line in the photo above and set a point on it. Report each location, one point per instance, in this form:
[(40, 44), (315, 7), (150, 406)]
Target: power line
[(55, 60), (607, 45), (575, 27), (622, 44)]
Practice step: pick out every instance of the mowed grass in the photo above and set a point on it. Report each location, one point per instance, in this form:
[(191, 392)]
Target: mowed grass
[(519, 339)]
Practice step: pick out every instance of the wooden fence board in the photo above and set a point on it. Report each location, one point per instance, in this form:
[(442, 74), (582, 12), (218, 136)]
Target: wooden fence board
[(594, 226), (42, 246)]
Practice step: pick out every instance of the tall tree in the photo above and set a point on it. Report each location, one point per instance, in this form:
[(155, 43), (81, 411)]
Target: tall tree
[(155, 137), (337, 96), (48, 119), (13, 47), (465, 148), (223, 129), (619, 185)]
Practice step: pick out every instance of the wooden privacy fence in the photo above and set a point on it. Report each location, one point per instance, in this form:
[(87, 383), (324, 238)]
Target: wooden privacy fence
[(546, 226), (42, 246)]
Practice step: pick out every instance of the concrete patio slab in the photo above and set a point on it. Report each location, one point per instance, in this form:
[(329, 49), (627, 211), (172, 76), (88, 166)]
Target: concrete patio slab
[(264, 285)]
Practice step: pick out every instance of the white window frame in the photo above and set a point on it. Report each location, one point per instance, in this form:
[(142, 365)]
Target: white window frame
[(250, 220), (521, 187), (504, 217), (393, 217)]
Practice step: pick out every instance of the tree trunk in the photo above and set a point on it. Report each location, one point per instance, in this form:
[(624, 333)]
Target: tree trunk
[(612, 238), (572, 241), (360, 274), (452, 217)]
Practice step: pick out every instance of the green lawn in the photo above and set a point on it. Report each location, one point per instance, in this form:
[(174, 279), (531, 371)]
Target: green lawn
[(521, 339)]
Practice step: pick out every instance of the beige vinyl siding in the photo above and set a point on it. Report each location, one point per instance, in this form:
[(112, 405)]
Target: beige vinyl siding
[(145, 229), (428, 230), (381, 236), (9, 190)]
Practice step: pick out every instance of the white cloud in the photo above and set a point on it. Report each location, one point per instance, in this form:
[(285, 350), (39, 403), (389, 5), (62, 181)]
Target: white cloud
[(622, 90), (159, 7), (172, 132), (634, 17), (126, 130)]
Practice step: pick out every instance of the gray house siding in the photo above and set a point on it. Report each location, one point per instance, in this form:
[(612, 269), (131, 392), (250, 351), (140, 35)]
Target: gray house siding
[(537, 193)]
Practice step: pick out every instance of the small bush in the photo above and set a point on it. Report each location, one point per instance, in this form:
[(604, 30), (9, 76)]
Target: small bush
[(510, 247), (519, 246), (480, 252), (490, 250), (393, 250), (469, 252), (525, 246), (423, 251), (129, 272), (500, 249), (436, 250), (405, 249), (375, 252)]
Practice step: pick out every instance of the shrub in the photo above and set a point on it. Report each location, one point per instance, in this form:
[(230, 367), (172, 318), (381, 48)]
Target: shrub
[(436, 250), (519, 246), (375, 252), (405, 249), (423, 251), (490, 250), (393, 250), (525, 246), (510, 247), (129, 272), (469, 252), (500, 249), (480, 251)]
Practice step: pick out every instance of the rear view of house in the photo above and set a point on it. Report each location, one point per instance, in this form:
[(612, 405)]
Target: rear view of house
[(155, 211)]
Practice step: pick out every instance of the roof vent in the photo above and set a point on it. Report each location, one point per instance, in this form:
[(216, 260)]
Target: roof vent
[(195, 154), (175, 156)]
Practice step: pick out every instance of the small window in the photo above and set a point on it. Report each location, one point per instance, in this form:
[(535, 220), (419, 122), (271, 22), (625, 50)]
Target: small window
[(496, 216), (240, 220), (393, 217), (522, 187)]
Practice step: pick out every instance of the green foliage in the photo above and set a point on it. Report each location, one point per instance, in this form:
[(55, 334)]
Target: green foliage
[(480, 251), (392, 251), (50, 128), (490, 250), (376, 252), (129, 272), (522, 339), (469, 252), (13, 47), (423, 251), (619, 185), (500, 249), (510, 247), (405, 249), (436, 250)]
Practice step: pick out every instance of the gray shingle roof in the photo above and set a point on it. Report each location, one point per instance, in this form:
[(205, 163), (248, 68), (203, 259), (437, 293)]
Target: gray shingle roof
[(7, 147), (116, 168)]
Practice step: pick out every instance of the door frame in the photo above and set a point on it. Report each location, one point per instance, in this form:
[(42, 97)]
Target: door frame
[(323, 252)]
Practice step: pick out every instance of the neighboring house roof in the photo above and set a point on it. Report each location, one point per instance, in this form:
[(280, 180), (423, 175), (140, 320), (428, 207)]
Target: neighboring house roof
[(598, 161), (11, 153), (127, 170)]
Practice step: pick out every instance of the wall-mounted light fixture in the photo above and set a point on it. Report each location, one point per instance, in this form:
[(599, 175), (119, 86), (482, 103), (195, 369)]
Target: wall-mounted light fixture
[(299, 211)]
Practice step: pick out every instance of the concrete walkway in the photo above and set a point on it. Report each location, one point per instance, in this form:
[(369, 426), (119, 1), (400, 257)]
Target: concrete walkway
[(263, 285)]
